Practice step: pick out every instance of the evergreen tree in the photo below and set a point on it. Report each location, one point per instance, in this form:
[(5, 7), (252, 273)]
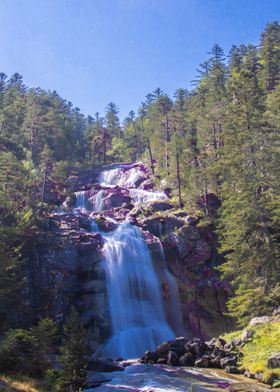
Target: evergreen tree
[(73, 354)]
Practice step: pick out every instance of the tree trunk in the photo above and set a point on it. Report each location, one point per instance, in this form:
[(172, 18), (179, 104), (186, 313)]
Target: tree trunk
[(151, 156), (167, 141), (104, 146), (44, 186), (179, 180)]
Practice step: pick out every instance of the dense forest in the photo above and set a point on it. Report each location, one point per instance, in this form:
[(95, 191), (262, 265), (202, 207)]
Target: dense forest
[(216, 145)]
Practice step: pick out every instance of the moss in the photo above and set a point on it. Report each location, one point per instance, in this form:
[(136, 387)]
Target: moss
[(263, 344)]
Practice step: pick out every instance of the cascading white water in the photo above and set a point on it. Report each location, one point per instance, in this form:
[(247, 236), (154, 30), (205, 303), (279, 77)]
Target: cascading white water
[(81, 200), (99, 201), (122, 176), (135, 303), (143, 196), (110, 177)]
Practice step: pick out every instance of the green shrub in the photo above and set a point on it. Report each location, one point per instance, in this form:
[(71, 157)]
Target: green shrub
[(19, 353), (26, 352)]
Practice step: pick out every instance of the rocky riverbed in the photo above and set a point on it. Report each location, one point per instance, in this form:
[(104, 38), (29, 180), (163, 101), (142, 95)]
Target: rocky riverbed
[(162, 378)]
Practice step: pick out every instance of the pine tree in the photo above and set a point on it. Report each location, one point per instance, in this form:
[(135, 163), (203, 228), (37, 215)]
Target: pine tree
[(73, 354), (270, 55)]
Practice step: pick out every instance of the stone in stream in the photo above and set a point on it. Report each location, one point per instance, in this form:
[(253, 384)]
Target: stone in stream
[(161, 361), (103, 365), (186, 359), (149, 357), (203, 362), (232, 369), (172, 358), (95, 379)]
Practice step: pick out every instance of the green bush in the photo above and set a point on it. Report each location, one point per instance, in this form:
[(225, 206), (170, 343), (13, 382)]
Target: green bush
[(19, 353), (26, 352)]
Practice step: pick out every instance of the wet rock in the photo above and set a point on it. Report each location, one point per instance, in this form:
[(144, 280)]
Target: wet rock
[(215, 362), (95, 378), (274, 361), (228, 361), (103, 365), (84, 222), (105, 224), (149, 357), (197, 347), (147, 185), (232, 369), (116, 199), (163, 348), (203, 362), (177, 345), (172, 358), (162, 361), (186, 359), (129, 362)]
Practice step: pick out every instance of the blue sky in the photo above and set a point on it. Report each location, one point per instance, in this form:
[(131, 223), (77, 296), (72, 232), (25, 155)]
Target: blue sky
[(96, 51)]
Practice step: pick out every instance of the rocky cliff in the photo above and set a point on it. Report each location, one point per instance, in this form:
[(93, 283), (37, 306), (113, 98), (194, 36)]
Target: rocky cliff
[(67, 267)]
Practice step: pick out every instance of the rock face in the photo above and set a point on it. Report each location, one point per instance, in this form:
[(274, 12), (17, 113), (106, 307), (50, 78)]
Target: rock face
[(67, 268), (67, 265), (191, 254)]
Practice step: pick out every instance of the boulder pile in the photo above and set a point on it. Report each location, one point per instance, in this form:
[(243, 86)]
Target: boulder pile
[(184, 352)]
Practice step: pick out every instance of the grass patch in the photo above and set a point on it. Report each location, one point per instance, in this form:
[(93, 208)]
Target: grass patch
[(228, 337), (22, 383), (264, 343)]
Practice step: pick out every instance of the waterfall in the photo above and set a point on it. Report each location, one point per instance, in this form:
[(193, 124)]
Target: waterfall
[(133, 282), (135, 303)]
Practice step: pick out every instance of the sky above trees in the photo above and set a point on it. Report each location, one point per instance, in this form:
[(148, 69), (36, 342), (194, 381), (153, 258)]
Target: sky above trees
[(96, 51)]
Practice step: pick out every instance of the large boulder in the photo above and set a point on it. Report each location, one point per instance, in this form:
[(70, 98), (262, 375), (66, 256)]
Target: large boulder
[(228, 361), (187, 359), (203, 362), (172, 358), (274, 361), (259, 320)]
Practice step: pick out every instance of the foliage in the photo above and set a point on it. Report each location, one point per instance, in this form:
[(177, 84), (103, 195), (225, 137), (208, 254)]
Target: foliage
[(25, 351), (73, 354)]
